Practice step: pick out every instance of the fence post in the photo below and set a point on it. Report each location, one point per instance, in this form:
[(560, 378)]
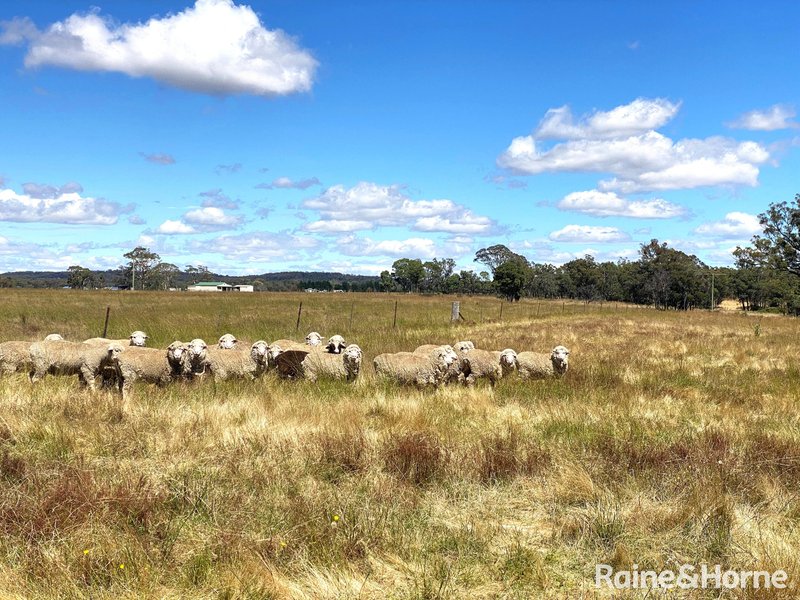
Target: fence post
[(394, 321), (455, 311), (299, 312), (105, 326), (501, 310)]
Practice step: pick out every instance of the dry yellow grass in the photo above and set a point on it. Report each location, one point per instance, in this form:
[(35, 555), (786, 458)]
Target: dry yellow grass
[(674, 438)]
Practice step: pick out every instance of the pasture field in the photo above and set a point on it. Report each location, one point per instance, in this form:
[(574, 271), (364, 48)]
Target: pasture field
[(673, 439)]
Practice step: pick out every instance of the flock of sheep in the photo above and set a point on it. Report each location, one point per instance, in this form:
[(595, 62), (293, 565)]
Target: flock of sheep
[(122, 362)]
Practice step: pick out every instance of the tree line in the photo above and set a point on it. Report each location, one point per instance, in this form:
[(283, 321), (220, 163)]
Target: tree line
[(766, 274)]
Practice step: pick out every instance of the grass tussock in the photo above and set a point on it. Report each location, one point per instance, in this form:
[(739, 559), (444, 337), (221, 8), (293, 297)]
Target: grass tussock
[(673, 439)]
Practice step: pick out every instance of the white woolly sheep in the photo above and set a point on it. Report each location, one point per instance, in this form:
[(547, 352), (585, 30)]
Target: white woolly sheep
[(346, 365), (227, 342), (415, 369), (87, 361), (455, 372), (151, 365), (196, 352), (225, 364), (538, 365), (488, 364), (314, 339), (16, 356), (137, 338)]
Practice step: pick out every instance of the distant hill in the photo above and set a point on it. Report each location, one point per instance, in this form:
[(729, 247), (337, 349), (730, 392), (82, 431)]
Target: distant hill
[(283, 281)]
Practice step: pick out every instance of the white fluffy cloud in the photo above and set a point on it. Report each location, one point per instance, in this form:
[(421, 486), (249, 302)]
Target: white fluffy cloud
[(200, 220), (412, 247), (255, 247), (369, 205), (622, 142), (609, 204), (635, 118), (214, 47), (581, 234), (46, 204), (735, 226), (777, 116)]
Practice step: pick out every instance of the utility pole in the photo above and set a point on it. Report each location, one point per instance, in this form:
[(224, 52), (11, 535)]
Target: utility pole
[(712, 290)]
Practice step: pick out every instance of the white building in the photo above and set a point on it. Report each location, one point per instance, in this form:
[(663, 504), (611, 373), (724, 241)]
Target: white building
[(218, 286)]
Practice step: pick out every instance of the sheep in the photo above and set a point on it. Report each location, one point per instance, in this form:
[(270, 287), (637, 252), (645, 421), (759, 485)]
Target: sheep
[(415, 369), (335, 344), (227, 342), (16, 356), (224, 364), (539, 365), (196, 352), (455, 372), (314, 339), (151, 365), (346, 365), (137, 338), (87, 361), (488, 364)]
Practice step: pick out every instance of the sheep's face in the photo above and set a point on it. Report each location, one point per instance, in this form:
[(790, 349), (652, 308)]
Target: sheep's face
[(336, 344), (464, 347), (508, 360), (352, 357), (112, 353), (314, 339), (138, 338), (445, 356), (273, 352), (560, 358), (197, 351), (53, 337), (259, 352), (176, 352), (227, 342)]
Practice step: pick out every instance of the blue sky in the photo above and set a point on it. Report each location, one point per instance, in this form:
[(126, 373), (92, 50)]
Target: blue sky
[(270, 136)]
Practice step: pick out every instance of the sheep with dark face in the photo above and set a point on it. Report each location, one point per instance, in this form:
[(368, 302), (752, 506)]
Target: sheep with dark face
[(488, 364), (87, 361), (539, 365), (335, 344), (345, 366), (408, 368)]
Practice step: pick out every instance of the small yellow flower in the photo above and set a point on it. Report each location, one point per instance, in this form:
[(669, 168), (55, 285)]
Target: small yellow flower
[(335, 518), (283, 544), (122, 566), (86, 552)]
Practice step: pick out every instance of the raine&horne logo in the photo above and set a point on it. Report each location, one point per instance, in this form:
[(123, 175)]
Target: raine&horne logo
[(689, 577)]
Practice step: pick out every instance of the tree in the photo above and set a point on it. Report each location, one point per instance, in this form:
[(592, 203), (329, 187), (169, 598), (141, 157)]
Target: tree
[(79, 277), (781, 236), (198, 273), (140, 263), (509, 279), (163, 274), (408, 273), (496, 255), (386, 283)]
